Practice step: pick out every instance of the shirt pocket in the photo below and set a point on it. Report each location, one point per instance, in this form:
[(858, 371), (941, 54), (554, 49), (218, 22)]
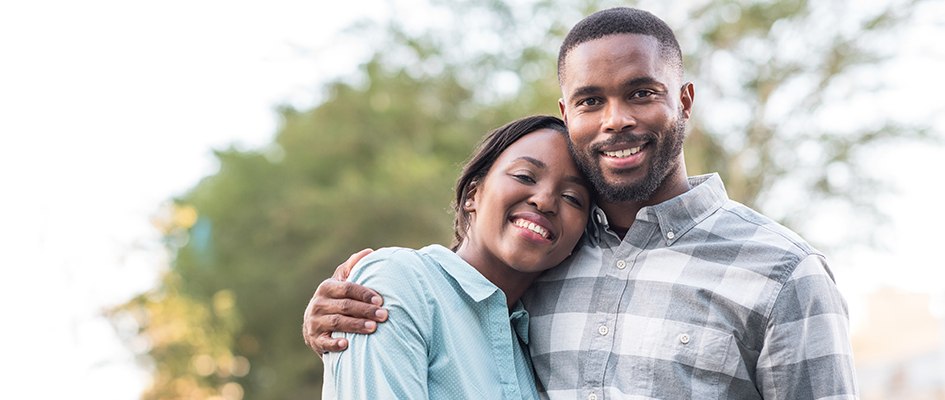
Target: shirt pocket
[(670, 359)]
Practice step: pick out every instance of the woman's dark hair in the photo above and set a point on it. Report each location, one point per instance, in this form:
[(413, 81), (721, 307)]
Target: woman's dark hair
[(485, 155)]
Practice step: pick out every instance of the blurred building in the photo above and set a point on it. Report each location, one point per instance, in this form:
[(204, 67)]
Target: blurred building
[(900, 348)]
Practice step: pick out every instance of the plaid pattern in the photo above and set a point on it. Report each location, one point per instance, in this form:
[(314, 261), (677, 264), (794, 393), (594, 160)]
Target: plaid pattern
[(704, 298)]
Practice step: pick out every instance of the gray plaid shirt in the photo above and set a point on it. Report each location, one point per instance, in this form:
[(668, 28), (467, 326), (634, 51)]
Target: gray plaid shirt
[(704, 298)]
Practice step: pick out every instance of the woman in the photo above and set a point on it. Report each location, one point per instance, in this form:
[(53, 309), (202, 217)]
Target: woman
[(456, 328)]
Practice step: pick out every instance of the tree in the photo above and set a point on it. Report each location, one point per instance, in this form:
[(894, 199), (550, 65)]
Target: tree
[(374, 163)]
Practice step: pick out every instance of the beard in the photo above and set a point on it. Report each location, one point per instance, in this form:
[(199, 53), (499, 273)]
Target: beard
[(669, 144)]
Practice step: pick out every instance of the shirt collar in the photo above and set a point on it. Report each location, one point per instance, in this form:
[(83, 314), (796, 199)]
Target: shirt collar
[(675, 216), (519, 320), (473, 283), (477, 286)]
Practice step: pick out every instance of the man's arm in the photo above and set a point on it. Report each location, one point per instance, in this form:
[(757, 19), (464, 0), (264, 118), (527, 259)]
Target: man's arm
[(339, 306), (807, 352)]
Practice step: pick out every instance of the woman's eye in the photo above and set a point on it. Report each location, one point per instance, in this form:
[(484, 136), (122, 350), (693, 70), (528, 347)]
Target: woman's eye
[(573, 199), (523, 178)]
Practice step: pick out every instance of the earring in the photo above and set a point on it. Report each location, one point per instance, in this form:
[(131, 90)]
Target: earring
[(468, 203)]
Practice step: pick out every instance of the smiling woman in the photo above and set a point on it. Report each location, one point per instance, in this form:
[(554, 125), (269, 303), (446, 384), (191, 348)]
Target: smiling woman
[(521, 208)]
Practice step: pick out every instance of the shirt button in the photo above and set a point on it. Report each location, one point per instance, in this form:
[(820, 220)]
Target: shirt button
[(670, 235), (684, 338), (592, 396), (621, 264), (602, 330)]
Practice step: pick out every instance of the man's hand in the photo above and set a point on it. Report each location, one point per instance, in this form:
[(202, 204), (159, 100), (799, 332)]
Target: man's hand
[(341, 306)]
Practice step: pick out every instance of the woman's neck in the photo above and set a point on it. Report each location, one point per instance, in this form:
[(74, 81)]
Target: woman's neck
[(512, 282)]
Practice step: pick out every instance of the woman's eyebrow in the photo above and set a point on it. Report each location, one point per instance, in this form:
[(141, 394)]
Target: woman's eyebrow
[(538, 163), (541, 164)]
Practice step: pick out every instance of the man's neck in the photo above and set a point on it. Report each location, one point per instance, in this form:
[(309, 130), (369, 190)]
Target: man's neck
[(622, 214)]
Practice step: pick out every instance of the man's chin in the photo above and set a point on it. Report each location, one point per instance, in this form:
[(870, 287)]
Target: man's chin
[(622, 190)]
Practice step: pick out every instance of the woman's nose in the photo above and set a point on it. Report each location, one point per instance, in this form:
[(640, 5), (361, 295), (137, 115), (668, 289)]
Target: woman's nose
[(545, 201)]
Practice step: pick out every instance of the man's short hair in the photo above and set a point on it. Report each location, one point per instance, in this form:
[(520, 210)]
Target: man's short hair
[(620, 20)]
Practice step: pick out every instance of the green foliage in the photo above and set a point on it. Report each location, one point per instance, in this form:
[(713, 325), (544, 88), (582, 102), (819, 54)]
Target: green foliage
[(374, 165)]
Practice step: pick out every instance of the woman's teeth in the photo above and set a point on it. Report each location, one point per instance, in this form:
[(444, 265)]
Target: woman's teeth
[(533, 227)]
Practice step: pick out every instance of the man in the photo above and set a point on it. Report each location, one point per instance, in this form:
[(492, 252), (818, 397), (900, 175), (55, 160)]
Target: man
[(677, 291)]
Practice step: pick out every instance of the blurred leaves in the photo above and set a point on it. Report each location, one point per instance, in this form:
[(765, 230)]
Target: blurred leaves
[(374, 164)]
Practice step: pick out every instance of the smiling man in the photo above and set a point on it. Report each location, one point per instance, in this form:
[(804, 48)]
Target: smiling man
[(677, 291)]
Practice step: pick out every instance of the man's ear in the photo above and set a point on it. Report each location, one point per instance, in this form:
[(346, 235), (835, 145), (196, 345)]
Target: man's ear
[(687, 94), (561, 108)]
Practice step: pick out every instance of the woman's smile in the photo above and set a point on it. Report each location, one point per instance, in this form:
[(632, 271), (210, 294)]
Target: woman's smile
[(534, 227)]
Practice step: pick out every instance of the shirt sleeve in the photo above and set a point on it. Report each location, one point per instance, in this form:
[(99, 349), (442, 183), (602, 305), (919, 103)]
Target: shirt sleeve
[(807, 352), (392, 362)]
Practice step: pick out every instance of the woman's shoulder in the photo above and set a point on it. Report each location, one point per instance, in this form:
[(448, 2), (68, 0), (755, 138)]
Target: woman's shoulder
[(397, 265)]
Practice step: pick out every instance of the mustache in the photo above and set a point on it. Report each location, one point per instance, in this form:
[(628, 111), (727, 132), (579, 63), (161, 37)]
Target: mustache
[(626, 138)]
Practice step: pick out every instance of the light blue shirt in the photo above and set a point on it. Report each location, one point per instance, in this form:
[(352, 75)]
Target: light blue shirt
[(449, 334)]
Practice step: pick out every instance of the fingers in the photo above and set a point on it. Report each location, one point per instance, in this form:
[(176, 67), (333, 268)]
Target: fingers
[(339, 306), (329, 344), (324, 343), (336, 313), (361, 301), (343, 270), (316, 329)]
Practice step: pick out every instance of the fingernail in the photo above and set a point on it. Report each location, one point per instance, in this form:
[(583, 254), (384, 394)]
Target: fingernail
[(381, 314), (376, 300), (370, 325)]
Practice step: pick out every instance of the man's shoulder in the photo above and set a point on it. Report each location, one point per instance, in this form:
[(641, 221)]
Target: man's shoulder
[(739, 222)]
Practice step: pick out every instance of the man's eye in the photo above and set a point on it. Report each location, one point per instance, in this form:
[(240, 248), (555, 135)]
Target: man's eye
[(639, 94), (593, 101)]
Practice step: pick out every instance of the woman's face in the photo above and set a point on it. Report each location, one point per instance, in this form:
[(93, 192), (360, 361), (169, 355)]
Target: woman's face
[(530, 210)]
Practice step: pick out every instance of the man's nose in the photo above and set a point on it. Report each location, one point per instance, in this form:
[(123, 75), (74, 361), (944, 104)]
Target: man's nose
[(618, 117)]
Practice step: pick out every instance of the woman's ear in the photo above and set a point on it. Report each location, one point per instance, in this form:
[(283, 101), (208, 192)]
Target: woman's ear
[(470, 204)]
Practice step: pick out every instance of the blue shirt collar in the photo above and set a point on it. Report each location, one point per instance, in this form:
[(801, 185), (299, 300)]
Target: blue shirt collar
[(473, 283), (477, 286)]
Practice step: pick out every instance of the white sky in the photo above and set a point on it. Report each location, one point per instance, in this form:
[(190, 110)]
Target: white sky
[(109, 108)]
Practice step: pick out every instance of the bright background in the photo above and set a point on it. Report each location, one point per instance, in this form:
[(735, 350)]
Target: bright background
[(104, 118)]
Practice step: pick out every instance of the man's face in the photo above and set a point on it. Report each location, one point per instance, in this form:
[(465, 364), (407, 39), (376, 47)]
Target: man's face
[(626, 115)]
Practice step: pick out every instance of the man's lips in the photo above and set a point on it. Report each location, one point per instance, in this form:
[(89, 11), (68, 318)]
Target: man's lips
[(622, 153), (624, 146)]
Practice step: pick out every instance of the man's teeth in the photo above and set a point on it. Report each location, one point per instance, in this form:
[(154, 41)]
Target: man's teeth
[(623, 153), (533, 227)]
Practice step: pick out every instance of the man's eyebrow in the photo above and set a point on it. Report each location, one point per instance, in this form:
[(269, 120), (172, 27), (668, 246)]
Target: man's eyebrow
[(641, 81), (585, 91)]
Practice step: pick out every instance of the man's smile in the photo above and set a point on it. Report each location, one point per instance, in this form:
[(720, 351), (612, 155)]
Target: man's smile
[(624, 153)]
